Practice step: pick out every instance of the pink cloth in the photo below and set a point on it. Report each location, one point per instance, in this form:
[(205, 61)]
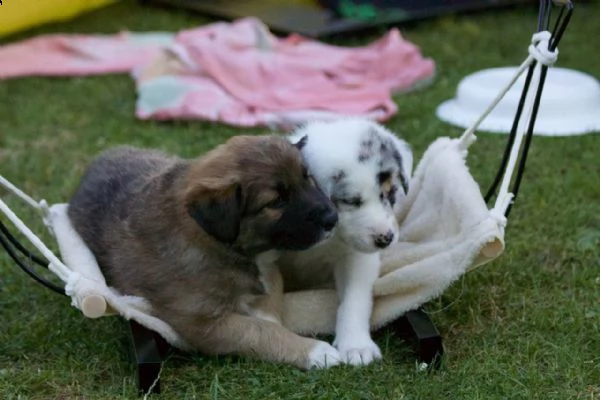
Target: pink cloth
[(67, 55), (238, 73)]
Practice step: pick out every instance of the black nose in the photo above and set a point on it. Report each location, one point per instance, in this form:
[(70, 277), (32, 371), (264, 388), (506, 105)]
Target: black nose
[(384, 240), (329, 220)]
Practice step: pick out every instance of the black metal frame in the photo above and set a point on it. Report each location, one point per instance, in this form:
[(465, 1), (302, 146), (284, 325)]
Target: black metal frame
[(544, 16), (11, 245), (149, 348)]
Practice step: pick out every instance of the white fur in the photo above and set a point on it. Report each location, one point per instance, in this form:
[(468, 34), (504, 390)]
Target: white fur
[(354, 281), (350, 255), (323, 355)]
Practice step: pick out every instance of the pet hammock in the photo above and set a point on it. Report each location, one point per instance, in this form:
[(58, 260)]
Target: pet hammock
[(446, 227)]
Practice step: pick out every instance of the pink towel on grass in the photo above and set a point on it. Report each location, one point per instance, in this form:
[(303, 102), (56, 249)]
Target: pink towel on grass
[(73, 55), (237, 73)]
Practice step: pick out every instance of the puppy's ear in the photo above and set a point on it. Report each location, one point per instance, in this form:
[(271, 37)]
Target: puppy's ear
[(216, 206), (302, 142), (404, 158)]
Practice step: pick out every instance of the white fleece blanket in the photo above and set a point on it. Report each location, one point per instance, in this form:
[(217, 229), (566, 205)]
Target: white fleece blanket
[(446, 229)]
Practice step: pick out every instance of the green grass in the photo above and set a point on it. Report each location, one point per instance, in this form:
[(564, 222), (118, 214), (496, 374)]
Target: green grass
[(526, 326)]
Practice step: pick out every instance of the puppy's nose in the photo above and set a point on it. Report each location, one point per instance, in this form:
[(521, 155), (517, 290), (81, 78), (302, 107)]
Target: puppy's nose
[(329, 220), (384, 240)]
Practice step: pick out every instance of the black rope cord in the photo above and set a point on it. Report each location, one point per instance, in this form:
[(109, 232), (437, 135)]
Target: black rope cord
[(544, 18), (10, 244), (4, 230)]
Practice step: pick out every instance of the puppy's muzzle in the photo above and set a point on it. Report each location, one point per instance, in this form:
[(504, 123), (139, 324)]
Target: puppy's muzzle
[(384, 240), (328, 219)]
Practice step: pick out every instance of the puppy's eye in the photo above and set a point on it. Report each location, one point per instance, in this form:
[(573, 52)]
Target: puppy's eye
[(389, 196), (355, 201), (277, 202), (281, 199)]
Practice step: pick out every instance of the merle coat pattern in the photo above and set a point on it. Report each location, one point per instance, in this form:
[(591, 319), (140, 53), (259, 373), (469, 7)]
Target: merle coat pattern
[(365, 170)]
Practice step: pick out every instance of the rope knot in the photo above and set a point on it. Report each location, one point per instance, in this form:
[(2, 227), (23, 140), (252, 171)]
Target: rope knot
[(502, 202), (73, 283), (499, 217), (538, 48)]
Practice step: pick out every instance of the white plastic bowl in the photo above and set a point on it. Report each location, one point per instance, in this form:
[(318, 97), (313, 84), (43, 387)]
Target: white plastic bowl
[(570, 103)]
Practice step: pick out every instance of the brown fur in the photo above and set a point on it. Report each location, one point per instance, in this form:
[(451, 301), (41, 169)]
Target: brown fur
[(184, 234)]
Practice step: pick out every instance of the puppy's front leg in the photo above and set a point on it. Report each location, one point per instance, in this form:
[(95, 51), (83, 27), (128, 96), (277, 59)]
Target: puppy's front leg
[(270, 306), (249, 336), (354, 280)]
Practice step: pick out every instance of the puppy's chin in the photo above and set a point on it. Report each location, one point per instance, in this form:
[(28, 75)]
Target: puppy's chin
[(360, 244), (325, 237)]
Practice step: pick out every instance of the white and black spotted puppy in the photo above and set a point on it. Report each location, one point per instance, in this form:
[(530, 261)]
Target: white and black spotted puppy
[(365, 170)]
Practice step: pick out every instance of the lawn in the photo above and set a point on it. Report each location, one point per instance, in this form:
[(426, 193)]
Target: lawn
[(526, 326)]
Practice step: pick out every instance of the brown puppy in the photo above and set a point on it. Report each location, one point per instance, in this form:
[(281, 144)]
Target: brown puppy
[(184, 234)]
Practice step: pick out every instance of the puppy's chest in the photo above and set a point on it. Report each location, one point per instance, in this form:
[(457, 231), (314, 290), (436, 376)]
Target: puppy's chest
[(312, 268), (233, 279), (218, 278)]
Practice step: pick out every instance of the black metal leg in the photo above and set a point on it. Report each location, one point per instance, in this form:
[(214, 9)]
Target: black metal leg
[(419, 329), (149, 348), (147, 354)]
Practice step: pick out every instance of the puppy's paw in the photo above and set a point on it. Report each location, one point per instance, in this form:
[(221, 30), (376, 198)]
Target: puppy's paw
[(358, 352), (323, 355)]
